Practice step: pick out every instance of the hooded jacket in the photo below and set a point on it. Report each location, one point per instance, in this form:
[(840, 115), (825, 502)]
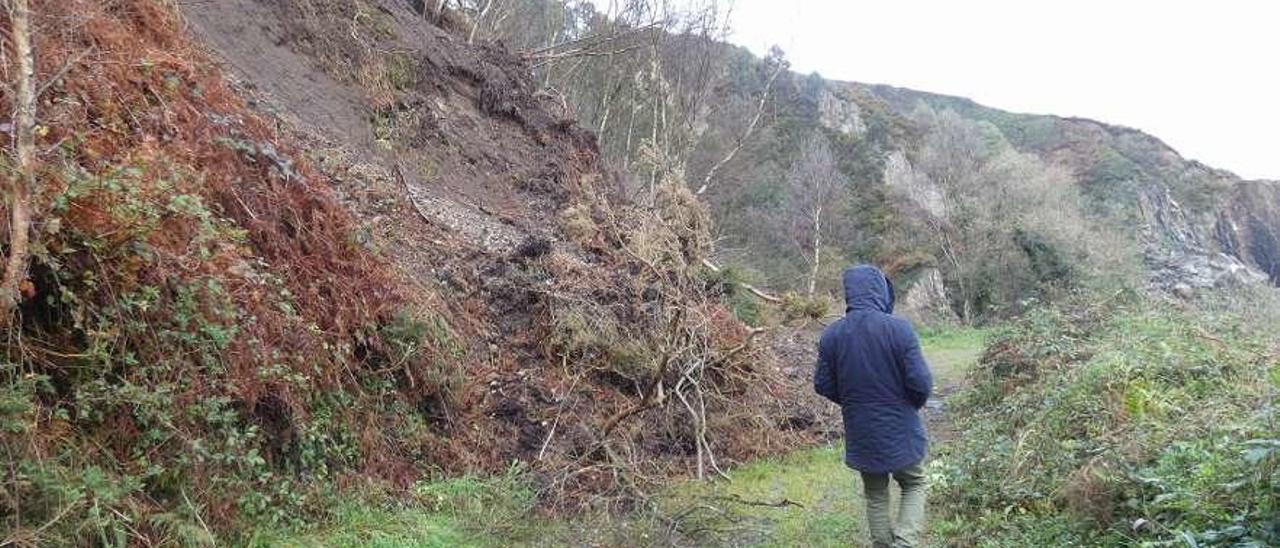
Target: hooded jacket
[(870, 364)]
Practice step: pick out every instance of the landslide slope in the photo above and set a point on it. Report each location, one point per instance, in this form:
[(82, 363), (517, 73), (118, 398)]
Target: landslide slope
[(374, 254), (524, 232)]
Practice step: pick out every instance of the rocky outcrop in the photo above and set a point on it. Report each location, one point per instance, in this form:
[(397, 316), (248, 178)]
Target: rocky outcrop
[(1166, 223), (840, 114), (1200, 227), (902, 177), (1185, 273), (1248, 226), (1186, 255), (925, 301)]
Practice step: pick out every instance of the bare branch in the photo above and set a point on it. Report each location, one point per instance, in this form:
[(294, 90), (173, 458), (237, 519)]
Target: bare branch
[(475, 25), (62, 71), (594, 40), (737, 499), (547, 58), (656, 396), (751, 128), (753, 289)]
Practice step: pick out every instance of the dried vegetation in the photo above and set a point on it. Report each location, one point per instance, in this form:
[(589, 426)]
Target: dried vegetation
[(207, 339)]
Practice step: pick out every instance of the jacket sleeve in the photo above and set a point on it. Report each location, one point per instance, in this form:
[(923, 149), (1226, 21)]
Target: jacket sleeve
[(919, 381), (824, 376)]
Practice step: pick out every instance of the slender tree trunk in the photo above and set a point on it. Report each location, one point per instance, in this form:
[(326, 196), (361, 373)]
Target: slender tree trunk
[(496, 27), (746, 134), (475, 25), (653, 142), (612, 89), (604, 119), (631, 127), (966, 301), (817, 250), (20, 191), (546, 74)]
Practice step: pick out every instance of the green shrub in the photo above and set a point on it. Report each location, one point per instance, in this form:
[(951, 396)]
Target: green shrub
[(746, 307), (1150, 423), (796, 306)]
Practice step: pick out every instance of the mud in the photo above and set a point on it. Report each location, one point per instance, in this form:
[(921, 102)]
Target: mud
[(458, 170)]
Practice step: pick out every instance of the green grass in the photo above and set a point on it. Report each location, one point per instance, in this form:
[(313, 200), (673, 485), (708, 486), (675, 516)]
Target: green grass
[(358, 525), (951, 353), (830, 511), (498, 511), (830, 493), (465, 511)]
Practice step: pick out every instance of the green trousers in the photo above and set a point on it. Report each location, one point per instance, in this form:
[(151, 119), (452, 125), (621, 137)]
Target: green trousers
[(909, 529)]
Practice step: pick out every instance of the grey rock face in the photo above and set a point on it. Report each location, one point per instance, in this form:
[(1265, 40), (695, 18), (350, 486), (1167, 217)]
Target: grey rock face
[(1184, 274), (840, 114), (901, 176), (1248, 226), (1186, 255), (1167, 224), (926, 300)]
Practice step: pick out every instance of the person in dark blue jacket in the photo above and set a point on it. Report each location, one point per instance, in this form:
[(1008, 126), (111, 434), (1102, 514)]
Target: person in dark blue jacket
[(870, 364)]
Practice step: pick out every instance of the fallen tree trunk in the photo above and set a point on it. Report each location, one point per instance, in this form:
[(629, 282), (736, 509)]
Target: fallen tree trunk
[(753, 289)]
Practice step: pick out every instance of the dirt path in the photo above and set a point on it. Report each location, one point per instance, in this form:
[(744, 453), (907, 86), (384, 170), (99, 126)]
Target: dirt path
[(805, 498), (819, 498), (950, 356)]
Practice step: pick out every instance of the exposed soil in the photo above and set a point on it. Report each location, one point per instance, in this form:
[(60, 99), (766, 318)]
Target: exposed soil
[(461, 172), (937, 421), (477, 177), (250, 39)]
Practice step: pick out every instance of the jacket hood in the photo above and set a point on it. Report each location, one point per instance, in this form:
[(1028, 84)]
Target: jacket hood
[(867, 288)]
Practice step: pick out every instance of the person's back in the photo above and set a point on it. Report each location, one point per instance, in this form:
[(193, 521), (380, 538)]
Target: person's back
[(870, 364)]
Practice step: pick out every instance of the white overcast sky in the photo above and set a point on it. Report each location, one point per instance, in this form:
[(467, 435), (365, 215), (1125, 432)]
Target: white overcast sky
[(1204, 76)]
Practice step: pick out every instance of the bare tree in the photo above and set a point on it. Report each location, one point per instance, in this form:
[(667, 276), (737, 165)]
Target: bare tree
[(990, 198), (478, 19), (780, 65), (21, 185), (814, 187), (952, 157), (642, 72)]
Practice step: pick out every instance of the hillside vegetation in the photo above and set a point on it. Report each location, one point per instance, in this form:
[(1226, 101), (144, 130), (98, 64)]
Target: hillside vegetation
[(340, 272), (988, 211), (196, 305), (1120, 422), (229, 320)]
